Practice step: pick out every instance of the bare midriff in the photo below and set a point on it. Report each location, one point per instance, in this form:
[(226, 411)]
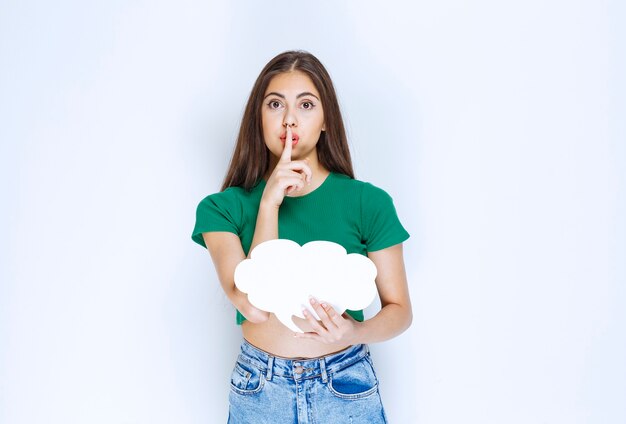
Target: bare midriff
[(273, 337)]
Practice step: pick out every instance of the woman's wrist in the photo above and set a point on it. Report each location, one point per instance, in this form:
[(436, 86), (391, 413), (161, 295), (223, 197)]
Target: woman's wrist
[(268, 206), (358, 333)]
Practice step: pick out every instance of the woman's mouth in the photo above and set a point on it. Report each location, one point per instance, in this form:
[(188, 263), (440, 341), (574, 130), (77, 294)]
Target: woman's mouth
[(294, 138)]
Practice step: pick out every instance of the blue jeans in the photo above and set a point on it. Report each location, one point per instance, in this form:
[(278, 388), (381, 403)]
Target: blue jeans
[(338, 388)]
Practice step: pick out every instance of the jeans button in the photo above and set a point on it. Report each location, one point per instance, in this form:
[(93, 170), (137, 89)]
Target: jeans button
[(299, 369)]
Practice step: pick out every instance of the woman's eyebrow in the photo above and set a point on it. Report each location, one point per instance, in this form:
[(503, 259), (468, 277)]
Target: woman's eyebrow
[(306, 93)]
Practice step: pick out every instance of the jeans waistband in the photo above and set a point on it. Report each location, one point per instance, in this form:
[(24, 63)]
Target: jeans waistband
[(301, 368)]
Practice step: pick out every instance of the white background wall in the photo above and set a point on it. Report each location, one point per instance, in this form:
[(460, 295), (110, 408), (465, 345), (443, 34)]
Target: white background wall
[(498, 128)]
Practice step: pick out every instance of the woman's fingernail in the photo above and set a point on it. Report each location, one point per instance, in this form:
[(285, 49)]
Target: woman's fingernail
[(305, 312), (324, 305), (312, 300)]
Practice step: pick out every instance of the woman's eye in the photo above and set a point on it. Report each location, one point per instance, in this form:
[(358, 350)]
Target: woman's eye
[(275, 104)]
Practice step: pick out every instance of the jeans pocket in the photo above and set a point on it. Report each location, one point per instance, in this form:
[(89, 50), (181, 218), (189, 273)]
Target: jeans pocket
[(246, 379), (356, 381)]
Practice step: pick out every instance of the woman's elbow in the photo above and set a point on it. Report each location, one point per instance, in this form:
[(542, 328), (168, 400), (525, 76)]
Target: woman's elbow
[(408, 320)]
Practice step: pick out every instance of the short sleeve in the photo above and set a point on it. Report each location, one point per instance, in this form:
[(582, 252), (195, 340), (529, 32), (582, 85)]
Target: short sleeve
[(381, 227), (217, 212)]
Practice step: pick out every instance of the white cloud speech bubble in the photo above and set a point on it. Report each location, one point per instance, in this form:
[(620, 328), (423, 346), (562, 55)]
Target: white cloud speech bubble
[(280, 276)]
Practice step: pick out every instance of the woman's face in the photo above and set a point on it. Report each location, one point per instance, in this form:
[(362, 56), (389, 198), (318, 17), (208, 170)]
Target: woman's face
[(292, 99)]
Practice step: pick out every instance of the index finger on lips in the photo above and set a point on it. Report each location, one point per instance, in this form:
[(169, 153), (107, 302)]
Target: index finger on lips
[(286, 156)]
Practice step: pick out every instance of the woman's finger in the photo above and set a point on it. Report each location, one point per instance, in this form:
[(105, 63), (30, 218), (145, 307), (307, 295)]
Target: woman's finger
[(310, 336), (292, 184), (303, 166), (333, 315), (315, 325), (285, 157), (297, 166), (323, 314)]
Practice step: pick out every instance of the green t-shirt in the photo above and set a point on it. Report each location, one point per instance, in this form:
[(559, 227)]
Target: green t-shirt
[(355, 214)]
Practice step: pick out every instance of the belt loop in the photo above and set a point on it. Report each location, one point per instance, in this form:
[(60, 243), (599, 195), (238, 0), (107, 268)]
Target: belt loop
[(323, 368), (270, 367)]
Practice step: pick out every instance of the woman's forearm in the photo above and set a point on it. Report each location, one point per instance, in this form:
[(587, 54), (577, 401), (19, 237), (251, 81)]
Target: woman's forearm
[(240, 301), (392, 320), (266, 225), (226, 251)]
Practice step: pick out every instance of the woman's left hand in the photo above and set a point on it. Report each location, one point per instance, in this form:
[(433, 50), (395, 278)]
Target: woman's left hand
[(332, 327)]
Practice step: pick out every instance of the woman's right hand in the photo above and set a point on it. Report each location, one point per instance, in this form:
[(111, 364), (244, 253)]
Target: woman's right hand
[(287, 177)]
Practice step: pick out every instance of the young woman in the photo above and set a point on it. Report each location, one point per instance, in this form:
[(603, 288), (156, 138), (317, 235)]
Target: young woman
[(291, 177)]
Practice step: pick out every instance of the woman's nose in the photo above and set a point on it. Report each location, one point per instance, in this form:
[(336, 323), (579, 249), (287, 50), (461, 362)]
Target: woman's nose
[(290, 120)]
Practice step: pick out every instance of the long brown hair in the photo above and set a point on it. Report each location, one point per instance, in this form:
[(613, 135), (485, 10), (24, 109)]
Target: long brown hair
[(251, 157)]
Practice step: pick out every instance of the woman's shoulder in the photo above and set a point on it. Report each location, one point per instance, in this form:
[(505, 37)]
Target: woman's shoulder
[(224, 211), (233, 194), (358, 187)]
